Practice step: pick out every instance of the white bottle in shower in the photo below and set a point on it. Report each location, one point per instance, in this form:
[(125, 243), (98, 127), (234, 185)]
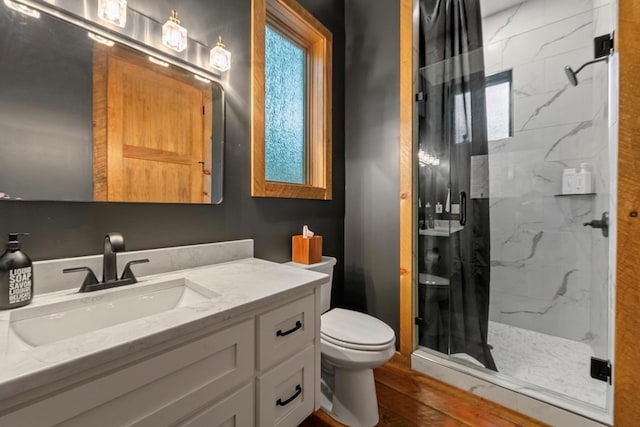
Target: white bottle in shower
[(569, 181), (584, 183)]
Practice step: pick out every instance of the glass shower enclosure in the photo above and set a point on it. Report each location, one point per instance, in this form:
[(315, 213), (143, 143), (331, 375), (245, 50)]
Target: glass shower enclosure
[(516, 172)]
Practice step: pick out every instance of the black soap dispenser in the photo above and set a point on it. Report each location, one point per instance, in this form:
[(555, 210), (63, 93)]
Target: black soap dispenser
[(16, 275)]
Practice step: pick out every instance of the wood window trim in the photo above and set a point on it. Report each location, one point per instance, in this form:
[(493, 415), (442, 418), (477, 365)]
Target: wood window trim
[(297, 23)]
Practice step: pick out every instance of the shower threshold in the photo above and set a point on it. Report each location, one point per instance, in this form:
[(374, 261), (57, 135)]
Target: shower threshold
[(549, 406)]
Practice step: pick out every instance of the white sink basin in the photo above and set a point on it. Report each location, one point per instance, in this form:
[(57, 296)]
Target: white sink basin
[(40, 325)]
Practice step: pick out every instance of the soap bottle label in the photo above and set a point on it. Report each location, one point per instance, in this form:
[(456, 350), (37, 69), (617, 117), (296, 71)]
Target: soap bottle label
[(20, 285)]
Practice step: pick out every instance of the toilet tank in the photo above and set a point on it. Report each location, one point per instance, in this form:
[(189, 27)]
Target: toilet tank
[(324, 266)]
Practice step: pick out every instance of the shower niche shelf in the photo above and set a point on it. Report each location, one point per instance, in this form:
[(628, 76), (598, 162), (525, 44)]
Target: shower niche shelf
[(441, 230), (574, 194)]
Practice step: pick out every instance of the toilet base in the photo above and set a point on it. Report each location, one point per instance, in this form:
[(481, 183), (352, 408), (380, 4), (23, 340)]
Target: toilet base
[(352, 399)]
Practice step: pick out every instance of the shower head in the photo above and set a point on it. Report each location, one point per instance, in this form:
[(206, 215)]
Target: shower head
[(572, 76)]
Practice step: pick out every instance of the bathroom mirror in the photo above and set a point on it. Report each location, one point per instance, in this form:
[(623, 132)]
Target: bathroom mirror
[(83, 121)]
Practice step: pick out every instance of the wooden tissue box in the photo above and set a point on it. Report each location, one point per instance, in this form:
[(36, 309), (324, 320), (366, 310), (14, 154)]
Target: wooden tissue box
[(306, 251)]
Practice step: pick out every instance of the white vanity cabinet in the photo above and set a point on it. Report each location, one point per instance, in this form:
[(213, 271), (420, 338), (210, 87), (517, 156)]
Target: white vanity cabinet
[(261, 368), (287, 358)]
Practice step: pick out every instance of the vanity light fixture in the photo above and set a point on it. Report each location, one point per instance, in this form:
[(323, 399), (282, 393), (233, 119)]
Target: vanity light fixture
[(113, 11), (174, 36), (202, 79), (220, 58), (158, 62), (426, 159), (19, 7), (98, 38)]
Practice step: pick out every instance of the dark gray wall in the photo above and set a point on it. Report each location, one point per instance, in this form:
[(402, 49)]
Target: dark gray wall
[(372, 98), (61, 229), (45, 111)]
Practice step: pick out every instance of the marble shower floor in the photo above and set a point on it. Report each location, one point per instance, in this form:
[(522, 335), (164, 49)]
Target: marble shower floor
[(550, 362)]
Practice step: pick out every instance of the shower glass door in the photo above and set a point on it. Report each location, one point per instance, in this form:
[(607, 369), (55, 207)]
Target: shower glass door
[(516, 173)]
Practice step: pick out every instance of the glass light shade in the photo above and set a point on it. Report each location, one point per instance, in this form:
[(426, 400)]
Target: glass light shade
[(220, 58), (174, 36), (113, 11)]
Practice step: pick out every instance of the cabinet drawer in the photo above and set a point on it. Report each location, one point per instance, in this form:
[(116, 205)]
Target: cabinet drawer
[(235, 411), (209, 365), (285, 330), (286, 394)]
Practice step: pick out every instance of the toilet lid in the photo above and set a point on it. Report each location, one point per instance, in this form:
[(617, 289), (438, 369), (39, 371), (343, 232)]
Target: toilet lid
[(356, 330)]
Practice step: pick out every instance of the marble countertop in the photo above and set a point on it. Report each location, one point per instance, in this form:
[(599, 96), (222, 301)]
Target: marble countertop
[(243, 285)]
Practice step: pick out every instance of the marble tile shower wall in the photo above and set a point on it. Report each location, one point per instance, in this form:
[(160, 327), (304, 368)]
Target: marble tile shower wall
[(549, 272)]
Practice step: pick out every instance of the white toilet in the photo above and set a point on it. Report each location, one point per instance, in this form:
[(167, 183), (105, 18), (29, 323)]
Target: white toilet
[(352, 344)]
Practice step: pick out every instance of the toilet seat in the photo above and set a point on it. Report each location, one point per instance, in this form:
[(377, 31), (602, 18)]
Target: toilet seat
[(354, 330), (354, 346)]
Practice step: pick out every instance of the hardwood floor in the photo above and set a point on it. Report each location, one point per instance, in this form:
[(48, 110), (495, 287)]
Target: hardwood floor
[(408, 398)]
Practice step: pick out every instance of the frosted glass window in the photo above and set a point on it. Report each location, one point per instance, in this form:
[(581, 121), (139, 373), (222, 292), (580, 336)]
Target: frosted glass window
[(499, 110), (462, 118), (499, 114), (285, 109)]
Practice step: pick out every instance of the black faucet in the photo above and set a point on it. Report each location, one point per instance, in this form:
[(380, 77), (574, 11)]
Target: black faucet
[(113, 243)]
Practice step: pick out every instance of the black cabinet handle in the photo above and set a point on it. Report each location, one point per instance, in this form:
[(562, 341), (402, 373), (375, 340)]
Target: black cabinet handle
[(289, 400), (463, 208), (290, 331)]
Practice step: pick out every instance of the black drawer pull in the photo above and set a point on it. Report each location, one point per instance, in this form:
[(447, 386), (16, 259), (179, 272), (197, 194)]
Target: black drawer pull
[(289, 400), (290, 331)]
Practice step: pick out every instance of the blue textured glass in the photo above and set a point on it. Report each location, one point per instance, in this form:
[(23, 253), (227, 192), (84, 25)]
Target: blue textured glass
[(285, 110)]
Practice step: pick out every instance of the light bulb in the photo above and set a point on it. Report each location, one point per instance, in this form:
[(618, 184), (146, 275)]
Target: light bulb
[(220, 58), (97, 37), (174, 36), (113, 11), (426, 159), (202, 79), (159, 62)]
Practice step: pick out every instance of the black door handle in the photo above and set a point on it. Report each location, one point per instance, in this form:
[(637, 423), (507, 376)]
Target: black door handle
[(463, 208), (290, 331), (280, 402)]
